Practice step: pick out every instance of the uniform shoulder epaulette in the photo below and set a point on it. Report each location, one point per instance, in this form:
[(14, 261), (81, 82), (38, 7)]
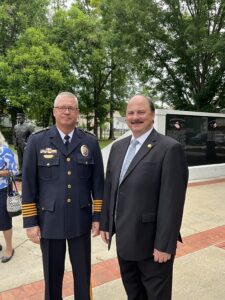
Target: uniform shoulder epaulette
[(41, 130), (88, 132)]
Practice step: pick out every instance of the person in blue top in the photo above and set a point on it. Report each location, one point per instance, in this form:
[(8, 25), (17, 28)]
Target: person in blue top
[(8, 167)]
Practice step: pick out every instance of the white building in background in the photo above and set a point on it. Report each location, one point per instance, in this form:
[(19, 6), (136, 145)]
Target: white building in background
[(119, 122)]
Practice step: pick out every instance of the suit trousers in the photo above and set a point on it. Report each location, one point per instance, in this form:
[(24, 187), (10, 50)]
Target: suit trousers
[(53, 255), (147, 280)]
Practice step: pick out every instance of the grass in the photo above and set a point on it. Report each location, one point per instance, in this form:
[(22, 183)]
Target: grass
[(11, 147), (104, 143)]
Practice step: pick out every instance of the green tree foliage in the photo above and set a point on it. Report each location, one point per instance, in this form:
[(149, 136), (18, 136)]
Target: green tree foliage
[(177, 47), (37, 71), (17, 16), (117, 57), (103, 49), (79, 32)]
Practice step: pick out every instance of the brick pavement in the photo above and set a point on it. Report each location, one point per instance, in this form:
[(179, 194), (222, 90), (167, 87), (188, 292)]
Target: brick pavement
[(108, 270)]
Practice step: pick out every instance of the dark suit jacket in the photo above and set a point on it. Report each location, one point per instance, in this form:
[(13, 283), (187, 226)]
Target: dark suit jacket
[(60, 186), (150, 198)]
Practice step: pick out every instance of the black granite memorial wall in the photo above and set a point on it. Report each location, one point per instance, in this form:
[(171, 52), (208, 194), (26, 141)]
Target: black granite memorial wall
[(203, 138)]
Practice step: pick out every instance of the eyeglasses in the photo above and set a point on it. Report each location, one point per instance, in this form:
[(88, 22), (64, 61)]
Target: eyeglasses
[(65, 108)]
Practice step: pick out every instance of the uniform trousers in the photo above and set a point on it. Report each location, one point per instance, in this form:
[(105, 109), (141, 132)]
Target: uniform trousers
[(53, 255), (147, 280)]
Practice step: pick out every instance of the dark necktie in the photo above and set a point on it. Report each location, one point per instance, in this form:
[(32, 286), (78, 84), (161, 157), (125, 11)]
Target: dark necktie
[(66, 138)]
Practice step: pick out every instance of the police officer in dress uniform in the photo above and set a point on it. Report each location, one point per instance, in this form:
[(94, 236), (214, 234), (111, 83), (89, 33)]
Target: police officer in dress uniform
[(21, 133), (62, 196)]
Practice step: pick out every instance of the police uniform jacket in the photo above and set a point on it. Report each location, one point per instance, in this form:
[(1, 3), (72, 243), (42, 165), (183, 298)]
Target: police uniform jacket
[(62, 188)]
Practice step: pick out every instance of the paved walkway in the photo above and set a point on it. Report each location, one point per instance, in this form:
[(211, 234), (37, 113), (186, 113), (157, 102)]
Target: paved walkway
[(199, 270)]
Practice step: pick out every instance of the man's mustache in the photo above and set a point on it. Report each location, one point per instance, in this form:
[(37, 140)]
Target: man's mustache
[(137, 122)]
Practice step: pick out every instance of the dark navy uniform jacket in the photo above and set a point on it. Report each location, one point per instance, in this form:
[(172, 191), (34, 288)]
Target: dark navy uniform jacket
[(62, 189)]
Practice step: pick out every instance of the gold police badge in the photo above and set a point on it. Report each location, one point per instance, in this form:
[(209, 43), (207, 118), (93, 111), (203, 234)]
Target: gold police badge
[(84, 150)]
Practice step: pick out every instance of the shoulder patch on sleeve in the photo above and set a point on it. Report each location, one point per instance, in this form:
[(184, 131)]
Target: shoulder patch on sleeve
[(41, 130)]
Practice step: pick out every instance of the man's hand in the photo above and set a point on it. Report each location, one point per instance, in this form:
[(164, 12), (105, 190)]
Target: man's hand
[(34, 234), (161, 257), (95, 229), (105, 236)]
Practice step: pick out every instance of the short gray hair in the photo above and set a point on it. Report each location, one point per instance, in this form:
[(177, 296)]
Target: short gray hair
[(2, 140), (67, 95)]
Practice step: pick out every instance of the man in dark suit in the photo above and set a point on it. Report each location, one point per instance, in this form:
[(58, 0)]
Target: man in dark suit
[(143, 203), (62, 196)]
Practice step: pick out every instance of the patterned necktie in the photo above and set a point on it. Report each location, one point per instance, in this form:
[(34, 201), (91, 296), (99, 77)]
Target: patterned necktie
[(129, 158), (66, 138)]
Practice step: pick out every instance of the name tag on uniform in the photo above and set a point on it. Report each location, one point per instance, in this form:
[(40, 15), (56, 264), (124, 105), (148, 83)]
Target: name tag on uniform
[(48, 153)]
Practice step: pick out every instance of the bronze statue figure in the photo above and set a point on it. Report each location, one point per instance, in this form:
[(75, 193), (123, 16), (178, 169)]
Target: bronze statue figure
[(21, 132)]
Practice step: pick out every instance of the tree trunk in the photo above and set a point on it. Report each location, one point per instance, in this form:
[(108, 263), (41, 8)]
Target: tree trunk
[(111, 110), (101, 133)]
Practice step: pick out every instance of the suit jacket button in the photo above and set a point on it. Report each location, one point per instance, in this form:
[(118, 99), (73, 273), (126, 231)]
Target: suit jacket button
[(68, 200), (69, 186), (69, 172), (68, 159)]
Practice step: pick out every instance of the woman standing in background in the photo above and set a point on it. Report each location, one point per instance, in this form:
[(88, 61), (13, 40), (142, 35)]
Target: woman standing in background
[(7, 168)]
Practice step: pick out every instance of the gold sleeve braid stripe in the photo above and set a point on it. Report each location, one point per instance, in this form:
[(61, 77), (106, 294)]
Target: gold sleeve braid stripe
[(29, 210), (97, 205)]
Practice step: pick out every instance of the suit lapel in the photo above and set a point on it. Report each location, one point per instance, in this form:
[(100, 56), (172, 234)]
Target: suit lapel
[(143, 151)]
